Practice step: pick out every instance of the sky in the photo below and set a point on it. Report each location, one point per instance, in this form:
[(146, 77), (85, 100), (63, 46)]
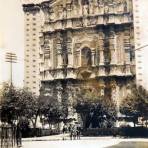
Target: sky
[(12, 38)]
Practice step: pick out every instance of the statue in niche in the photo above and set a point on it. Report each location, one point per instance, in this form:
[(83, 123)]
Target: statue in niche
[(85, 5), (91, 6), (60, 11), (95, 7), (85, 10), (75, 9), (86, 57), (69, 9), (64, 13), (125, 6), (106, 9), (102, 92), (100, 2), (51, 14)]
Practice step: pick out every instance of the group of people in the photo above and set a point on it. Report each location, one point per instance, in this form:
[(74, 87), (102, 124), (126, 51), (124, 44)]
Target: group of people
[(73, 130)]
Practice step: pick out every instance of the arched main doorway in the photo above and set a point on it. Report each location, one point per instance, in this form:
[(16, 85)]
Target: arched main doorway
[(86, 57)]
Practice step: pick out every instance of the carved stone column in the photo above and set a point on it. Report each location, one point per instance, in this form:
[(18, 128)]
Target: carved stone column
[(101, 47), (59, 60), (113, 56), (70, 50), (93, 57), (127, 56), (79, 58), (70, 59), (112, 44), (101, 57)]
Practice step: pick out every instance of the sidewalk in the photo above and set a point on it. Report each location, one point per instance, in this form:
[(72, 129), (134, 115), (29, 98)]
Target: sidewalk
[(60, 137), (56, 141)]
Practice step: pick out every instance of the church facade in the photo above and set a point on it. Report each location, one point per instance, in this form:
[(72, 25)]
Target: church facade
[(87, 43)]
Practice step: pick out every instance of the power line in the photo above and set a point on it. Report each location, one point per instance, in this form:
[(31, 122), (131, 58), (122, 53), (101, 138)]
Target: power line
[(141, 47), (11, 58)]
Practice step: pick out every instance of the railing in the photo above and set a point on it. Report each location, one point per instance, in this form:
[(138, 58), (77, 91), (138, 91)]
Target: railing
[(10, 137)]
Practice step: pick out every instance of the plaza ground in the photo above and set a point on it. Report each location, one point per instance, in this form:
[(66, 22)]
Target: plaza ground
[(85, 142)]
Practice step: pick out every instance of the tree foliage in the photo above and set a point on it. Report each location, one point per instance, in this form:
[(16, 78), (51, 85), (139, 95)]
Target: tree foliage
[(19, 104), (50, 109), (135, 104), (95, 110)]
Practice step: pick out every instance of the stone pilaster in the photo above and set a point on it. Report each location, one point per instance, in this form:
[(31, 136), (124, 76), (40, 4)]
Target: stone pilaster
[(113, 90), (59, 91), (70, 99)]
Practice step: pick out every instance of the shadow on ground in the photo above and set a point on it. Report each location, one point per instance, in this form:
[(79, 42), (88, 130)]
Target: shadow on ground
[(130, 145)]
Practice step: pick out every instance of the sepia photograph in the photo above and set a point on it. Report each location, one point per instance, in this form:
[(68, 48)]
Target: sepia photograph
[(73, 73)]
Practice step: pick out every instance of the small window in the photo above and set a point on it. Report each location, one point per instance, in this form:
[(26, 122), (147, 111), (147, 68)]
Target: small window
[(140, 80)]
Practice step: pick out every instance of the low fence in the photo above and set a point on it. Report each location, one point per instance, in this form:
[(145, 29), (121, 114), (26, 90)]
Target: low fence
[(122, 131), (38, 132), (9, 137)]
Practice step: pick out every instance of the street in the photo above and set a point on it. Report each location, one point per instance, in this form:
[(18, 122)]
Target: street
[(88, 142)]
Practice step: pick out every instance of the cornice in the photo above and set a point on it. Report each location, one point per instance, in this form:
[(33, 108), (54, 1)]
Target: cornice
[(31, 7)]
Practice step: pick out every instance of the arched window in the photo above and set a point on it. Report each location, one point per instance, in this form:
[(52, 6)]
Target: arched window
[(86, 57)]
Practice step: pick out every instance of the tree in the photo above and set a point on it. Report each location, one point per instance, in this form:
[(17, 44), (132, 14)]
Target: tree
[(95, 110), (135, 105), (50, 109), (19, 104), (10, 98), (28, 106)]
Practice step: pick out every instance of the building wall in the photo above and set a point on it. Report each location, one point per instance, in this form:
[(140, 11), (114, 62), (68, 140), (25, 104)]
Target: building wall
[(33, 20), (102, 28), (141, 39), (88, 41)]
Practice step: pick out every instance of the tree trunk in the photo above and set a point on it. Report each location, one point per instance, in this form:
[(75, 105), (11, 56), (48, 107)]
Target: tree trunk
[(83, 116), (134, 124)]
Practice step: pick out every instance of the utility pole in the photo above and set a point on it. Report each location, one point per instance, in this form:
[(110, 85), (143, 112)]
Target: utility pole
[(11, 58)]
